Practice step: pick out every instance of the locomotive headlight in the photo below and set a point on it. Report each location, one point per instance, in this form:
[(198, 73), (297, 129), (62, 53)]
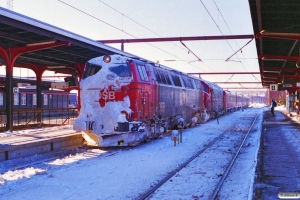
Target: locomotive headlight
[(107, 59)]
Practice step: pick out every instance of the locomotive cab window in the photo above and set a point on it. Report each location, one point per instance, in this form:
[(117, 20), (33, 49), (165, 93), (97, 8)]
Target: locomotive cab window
[(142, 72), (121, 70), (90, 70)]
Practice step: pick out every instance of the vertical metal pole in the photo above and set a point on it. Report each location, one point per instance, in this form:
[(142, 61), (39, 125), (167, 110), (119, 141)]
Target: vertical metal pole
[(39, 98), (122, 46), (9, 96), (180, 135), (242, 103)]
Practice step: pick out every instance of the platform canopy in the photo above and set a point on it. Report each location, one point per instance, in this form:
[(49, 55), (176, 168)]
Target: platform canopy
[(17, 30), (276, 24)]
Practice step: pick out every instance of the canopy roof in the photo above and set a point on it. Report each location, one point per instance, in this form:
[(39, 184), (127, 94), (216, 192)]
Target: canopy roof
[(17, 30), (276, 24)]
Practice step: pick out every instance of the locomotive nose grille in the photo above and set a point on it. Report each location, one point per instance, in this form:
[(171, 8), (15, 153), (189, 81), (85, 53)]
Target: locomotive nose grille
[(122, 126)]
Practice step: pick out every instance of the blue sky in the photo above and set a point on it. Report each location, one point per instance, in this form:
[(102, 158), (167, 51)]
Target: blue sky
[(121, 19)]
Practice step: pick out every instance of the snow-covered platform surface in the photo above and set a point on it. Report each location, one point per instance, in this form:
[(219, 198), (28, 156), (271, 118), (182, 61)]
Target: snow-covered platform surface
[(278, 169), (20, 144)]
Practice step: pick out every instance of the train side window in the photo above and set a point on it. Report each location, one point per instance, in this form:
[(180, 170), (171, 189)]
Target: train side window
[(196, 84), (205, 88), (45, 99), (121, 70), (176, 80), (23, 99), (142, 73), (34, 99), (16, 99), (157, 76), (1, 99), (162, 77), (166, 78), (90, 69), (187, 82)]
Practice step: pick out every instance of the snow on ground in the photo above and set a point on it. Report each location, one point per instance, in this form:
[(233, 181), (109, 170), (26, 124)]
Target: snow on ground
[(34, 131), (97, 174)]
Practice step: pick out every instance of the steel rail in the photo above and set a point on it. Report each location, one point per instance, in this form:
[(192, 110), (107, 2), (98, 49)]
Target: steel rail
[(225, 174), (180, 167)]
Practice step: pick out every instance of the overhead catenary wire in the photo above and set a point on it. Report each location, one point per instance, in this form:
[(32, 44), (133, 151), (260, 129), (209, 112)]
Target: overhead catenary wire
[(122, 29), (218, 27), (229, 29), (148, 30), (128, 33), (191, 51)]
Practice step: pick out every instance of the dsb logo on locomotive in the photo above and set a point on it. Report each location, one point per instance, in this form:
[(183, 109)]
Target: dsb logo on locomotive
[(111, 96)]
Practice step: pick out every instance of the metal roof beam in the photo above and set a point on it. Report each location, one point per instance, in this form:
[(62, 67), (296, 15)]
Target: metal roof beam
[(296, 70), (221, 73), (12, 37), (280, 75), (237, 82), (253, 88), (279, 58), (288, 36), (174, 39)]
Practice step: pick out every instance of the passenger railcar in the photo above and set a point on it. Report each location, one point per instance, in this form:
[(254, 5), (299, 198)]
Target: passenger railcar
[(128, 100), (229, 101), (27, 98)]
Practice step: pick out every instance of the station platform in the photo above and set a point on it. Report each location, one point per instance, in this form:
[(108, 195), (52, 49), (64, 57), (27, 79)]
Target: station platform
[(37, 141), (278, 167)]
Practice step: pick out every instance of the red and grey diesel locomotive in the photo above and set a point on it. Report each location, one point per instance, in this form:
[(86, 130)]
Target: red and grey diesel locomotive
[(128, 100)]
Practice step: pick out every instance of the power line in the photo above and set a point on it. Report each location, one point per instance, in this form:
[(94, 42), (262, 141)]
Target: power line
[(96, 18), (10, 4), (228, 27), (119, 29), (218, 27), (129, 18), (139, 24)]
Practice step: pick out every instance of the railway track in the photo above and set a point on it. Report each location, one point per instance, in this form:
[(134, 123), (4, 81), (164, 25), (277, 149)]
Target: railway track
[(242, 130), (212, 156)]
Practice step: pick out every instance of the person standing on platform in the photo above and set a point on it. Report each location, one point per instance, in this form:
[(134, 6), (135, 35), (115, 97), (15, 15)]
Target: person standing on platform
[(273, 105)]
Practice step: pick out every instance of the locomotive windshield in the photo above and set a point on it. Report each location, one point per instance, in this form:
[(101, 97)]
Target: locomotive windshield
[(90, 70), (121, 70)]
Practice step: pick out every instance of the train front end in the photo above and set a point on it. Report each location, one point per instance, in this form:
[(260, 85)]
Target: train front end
[(106, 100)]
